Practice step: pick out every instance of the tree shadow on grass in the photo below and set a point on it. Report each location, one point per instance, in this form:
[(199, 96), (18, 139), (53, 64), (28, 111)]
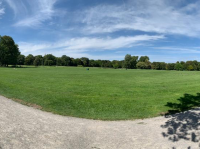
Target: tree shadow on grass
[(183, 123), (18, 67)]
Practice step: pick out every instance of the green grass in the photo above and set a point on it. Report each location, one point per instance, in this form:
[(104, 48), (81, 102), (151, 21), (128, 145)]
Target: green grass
[(106, 94)]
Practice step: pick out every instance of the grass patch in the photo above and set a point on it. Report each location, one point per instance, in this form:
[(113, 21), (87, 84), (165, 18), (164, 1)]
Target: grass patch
[(106, 94)]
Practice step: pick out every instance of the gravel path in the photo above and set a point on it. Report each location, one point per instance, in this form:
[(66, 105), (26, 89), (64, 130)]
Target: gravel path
[(23, 127)]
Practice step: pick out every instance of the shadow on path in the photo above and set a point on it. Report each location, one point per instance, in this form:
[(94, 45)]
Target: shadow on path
[(183, 122)]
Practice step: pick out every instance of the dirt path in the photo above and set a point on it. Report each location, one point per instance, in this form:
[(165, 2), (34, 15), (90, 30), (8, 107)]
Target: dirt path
[(23, 127)]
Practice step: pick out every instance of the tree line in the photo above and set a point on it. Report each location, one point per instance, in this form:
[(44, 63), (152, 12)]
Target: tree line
[(134, 62), (10, 55), (129, 62)]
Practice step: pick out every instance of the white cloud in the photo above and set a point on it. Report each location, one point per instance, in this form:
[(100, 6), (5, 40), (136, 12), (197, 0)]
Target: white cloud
[(78, 46), (158, 16), (108, 43), (2, 10), (32, 13), (179, 49)]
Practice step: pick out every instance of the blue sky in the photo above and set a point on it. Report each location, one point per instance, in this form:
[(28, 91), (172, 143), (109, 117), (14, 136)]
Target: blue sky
[(165, 30)]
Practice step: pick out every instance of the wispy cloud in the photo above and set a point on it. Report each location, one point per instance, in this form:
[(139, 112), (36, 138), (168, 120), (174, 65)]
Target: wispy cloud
[(179, 49), (32, 13), (2, 10), (85, 44), (159, 16)]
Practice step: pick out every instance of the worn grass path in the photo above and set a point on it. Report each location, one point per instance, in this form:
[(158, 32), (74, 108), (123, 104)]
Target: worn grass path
[(23, 127)]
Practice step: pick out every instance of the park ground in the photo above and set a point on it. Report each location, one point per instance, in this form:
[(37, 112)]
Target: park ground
[(100, 94), (105, 94), (23, 127)]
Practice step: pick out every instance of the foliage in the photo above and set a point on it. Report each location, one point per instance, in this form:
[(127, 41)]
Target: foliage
[(127, 61), (130, 62), (144, 59), (85, 61), (58, 61), (170, 66), (20, 60), (190, 67), (115, 64), (38, 60), (29, 59), (66, 60), (49, 60), (159, 65), (178, 66), (106, 63), (9, 51), (144, 65), (141, 65)]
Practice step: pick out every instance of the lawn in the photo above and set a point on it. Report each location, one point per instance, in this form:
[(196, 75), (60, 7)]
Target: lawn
[(106, 94)]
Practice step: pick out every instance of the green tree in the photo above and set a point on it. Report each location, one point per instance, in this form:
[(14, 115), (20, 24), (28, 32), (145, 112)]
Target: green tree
[(9, 51), (106, 63), (48, 63), (198, 66), (37, 61), (144, 65), (20, 60), (98, 63), (141, 65), (120, 64), (29, 59), (74, 63), (170, 66), (92, 63), (66, 60), (78, 61), (127, 61), (134, 60), (178, 66), (159, 65), (85, 61), (192, 63), (143, 59), (49, 60), (130, 62), (58, 61), (190, 68), (115, 64)]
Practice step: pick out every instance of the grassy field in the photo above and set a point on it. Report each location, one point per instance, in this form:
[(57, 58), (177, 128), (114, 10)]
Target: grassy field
[(106, 94)]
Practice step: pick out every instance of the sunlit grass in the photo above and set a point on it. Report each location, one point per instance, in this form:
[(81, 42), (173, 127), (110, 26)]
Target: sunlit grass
[(107, 94)]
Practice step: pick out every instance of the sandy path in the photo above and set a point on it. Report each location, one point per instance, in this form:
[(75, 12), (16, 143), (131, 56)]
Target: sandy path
[(23, 127)]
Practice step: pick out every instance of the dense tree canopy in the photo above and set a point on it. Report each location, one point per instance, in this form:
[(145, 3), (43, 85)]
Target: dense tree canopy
[(144, 59), (9, 51), (29, 59), (66, 60), (130, 62), (38, 60), (85, 61), (49, 60), (21, 60)]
